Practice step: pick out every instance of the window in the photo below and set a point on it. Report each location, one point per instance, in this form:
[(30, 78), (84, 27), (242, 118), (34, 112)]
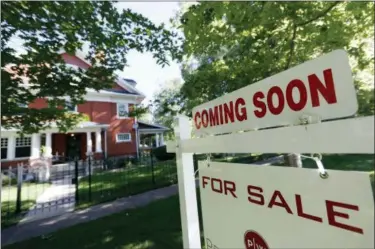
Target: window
[(23, 147), (123, 137), (22, 105), (4, 148), (70, 107), (122, 110)]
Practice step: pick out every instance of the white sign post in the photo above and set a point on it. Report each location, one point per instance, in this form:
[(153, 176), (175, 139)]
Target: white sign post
[(298, 99), (260, 207)]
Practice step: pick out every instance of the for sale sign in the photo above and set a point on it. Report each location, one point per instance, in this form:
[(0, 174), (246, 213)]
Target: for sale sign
[(322, 88), (261, 207)]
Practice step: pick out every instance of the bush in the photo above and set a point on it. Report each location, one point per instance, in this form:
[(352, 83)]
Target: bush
[(162, 155), (6, 179)]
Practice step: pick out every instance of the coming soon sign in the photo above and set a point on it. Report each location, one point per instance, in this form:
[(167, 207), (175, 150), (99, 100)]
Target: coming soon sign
[(322, 87), (258, 207)]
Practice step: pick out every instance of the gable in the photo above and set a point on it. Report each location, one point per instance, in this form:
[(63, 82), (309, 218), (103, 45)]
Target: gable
[(79, 62), (74, 60)]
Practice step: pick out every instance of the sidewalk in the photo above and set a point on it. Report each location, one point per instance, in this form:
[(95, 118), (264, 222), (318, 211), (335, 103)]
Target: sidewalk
[(36, 228), (49, 225)]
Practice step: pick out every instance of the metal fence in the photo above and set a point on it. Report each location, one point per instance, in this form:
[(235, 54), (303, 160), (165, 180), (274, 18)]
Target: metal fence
[(114, 178), (30, 193)]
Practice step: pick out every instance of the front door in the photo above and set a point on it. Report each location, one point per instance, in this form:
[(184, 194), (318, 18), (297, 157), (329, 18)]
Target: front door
[(73, 143)]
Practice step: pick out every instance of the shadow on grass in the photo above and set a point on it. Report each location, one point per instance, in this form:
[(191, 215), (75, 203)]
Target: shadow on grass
[(9, 216), (111, 185), (154, 226)]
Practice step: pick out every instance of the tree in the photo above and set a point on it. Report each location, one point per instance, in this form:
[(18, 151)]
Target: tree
[(46, 28), (239, 43), (167, 104)]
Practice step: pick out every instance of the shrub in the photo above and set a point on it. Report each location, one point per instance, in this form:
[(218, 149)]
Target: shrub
[(162, 155), (6, 179)]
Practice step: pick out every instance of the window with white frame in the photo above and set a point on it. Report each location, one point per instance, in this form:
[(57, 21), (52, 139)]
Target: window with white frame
[(23, 147), (122, 110), (4, 147), (70, 107), (123, 137)]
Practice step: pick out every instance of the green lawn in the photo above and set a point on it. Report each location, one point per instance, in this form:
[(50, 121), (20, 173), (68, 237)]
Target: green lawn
[(29, 193), (154, 226), (110, 185)]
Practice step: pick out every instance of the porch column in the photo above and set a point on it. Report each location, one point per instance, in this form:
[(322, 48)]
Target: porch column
[(161, 139), (98, 142), (11, 152), (35, 145), (157, 139), (88, 143), (48, 152)]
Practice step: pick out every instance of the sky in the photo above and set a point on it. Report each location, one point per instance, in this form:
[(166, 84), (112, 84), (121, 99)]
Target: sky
[(142, 67)]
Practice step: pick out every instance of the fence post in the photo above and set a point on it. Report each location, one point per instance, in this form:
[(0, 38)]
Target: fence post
[(19, 187), (89, 159), (152, 168), (76, 179), (187, 187)]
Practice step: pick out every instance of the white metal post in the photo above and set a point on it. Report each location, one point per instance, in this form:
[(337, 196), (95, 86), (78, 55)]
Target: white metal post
[(187, 188)]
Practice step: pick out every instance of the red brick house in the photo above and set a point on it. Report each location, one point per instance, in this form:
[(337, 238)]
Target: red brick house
[(110, 132)]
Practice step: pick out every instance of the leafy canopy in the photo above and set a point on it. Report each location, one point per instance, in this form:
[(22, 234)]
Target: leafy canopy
[(46, 27), (235, 44)]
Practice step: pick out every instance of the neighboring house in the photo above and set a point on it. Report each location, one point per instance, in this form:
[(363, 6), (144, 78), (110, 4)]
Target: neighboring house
[(110, 132)]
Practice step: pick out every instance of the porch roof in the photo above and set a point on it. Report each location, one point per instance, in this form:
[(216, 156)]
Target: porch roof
[(151, 128), (82, 126)]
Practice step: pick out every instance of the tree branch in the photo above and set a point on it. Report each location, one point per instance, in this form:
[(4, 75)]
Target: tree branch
[(323, 13), (292, 43), (291, 49)]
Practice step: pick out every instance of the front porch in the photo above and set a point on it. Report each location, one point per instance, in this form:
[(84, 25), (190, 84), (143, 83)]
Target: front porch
[(150, 135), (86, 139)]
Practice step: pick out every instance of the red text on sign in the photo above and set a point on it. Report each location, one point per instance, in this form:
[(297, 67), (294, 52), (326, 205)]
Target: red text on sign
[(255, 195), (220, 186), (221, 114), (316, 88)]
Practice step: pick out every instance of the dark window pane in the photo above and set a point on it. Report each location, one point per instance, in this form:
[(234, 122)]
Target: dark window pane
[(23, 151), (3, 153)]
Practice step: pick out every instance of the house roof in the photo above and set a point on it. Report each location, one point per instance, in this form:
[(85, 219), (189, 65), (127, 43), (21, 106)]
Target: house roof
[(125, 83), (146, 126)]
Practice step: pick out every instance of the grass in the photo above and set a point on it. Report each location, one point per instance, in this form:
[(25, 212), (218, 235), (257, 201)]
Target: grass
[(156, 226), (29, 193), (110, 185)]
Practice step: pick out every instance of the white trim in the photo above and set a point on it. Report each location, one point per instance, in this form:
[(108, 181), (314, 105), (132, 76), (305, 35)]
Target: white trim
[(111, 97), (126, 110), (124, 141), (151, 131), (350, 136)]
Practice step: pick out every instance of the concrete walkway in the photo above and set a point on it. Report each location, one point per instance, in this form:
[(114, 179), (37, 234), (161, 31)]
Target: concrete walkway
[(58, 199), (36, 228), (46, 226)]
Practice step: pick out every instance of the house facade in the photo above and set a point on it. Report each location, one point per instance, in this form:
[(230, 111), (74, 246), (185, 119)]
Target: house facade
[(110, 132)]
